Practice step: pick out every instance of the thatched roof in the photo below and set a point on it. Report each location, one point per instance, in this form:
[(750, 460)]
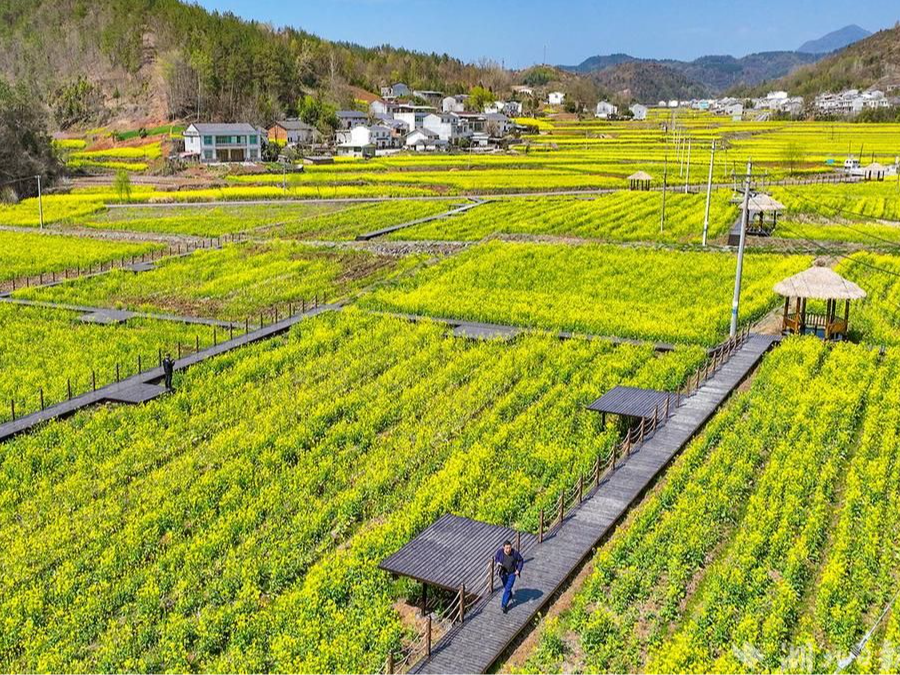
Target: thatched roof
[(761, 202), (640, 175), (875, 166), (820, 283)]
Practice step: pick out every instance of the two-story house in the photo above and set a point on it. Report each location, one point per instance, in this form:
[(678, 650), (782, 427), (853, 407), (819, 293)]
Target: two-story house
[(224, 142)]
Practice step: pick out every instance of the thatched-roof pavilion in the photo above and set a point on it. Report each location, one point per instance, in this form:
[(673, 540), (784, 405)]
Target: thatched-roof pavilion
[(817, 283), (639, 180)]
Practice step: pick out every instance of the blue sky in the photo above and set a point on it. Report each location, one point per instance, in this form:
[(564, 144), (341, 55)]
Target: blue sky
[(517, 31)]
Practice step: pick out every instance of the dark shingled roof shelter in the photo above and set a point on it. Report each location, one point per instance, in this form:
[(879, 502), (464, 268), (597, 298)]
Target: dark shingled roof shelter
[(633, 402), (452, 552)]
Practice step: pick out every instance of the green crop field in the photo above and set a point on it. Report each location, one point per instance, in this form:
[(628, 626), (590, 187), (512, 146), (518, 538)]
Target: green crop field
[(237, 524), (620, 216), (626, 292), (770, 543), (206, 221), (241, 520), (236, 282), (26, 254), (52, 350), (358, 219)]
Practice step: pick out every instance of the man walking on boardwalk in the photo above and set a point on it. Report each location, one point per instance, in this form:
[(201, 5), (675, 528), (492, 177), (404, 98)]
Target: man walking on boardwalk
[(509, 563), (168, 366)]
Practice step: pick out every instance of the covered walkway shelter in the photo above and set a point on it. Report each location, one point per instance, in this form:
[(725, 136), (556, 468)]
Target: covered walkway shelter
[(635, 403), (639, 181), (823, 284), (454, 554)]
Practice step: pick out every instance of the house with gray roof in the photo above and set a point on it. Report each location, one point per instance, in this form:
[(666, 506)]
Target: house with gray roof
[(224, 141)]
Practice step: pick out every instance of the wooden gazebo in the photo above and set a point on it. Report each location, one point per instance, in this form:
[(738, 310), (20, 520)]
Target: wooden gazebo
[(639, 181), (817, 283), (759, 206)]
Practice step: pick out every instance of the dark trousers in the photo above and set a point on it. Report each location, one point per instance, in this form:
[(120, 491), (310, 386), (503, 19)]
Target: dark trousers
[(508, 581)]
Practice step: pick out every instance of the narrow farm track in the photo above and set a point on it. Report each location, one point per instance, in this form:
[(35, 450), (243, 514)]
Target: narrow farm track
[(393, 228), (476, 644), (143, 386)]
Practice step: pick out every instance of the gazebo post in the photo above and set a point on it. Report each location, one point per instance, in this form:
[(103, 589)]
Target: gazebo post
[(846, 317), (803, 315), (424, 598), (784, 321)]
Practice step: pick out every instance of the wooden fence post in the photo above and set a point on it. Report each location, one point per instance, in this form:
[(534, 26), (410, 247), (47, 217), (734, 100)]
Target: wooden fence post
[(462, 603), (12, 405), (69, 387), (41, 390), (518, 541), (94, 380), (562, 505), (428, 636), (667, 407), (390, 663), (655, 416), (580, 488)]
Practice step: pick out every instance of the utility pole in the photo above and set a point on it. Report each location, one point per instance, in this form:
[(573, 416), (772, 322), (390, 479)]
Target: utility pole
[(687, 175), (662, 218), (40, 202), (712, 156), (745, 214)]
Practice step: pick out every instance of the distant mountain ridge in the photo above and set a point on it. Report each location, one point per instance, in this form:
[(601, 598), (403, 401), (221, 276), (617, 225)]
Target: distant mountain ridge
[(837, 39), (871, 62), (704, 76)]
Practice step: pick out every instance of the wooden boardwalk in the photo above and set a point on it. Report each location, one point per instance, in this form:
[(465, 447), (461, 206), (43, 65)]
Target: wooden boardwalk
[(474, 646), (142, 387)]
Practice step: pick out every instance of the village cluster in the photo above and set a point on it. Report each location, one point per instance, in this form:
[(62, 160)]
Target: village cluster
[(428, 121)]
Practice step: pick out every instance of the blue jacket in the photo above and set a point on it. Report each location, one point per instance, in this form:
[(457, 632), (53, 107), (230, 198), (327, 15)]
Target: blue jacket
[(518, 560)]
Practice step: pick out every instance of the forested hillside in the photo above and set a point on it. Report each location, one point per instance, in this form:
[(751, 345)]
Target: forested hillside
[(874, 61), (95, 60)]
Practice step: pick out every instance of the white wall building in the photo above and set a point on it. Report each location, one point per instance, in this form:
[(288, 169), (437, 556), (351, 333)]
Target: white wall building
[(347, 119), (423, 140), (605, 110), (448, 126), (638, 111), (224, 142), (556, 98), (454, 103)]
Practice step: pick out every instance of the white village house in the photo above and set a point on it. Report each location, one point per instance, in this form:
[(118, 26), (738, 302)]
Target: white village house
[(605, 110), (454, 103), (224, 142), (556, 98), (638, 111), (448, 126), (347, 119), (422, 140), (395, 91)]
